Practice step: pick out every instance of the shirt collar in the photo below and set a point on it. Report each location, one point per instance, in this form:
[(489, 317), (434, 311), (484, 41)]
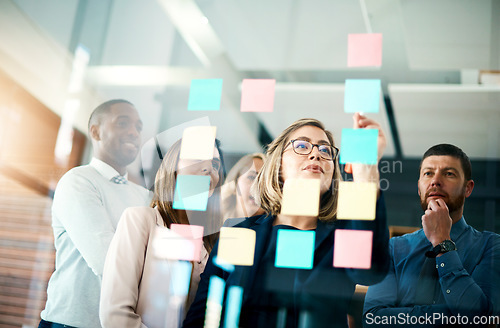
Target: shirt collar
[(105, 169), (458, 228), (264, 218)]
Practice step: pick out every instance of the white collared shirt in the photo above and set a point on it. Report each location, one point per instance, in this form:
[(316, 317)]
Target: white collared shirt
[(85, 213), (105, 169)]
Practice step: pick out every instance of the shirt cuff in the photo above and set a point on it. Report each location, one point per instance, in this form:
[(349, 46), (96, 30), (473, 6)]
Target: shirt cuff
[(448, 262)]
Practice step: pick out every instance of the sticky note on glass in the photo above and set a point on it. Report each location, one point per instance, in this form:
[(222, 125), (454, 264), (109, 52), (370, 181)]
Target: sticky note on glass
[(171, 246), (359, 146), (223, 264), (181, 278), (215, 297), (257, 95), (198, 143), (191, 192), (233, 307), (193, 234), (357, 200), (216, 289), (364, 50), (295, 249), (362, 96), (236, 246), (301, 197), (352, 249), (205, 94)]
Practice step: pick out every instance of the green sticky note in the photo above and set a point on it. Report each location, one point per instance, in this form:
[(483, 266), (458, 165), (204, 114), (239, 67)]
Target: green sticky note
[(362, 96), (216, 288), (181, 278), (359, 146), (233, 307), (205, 94), (295, 249), (191, 192)]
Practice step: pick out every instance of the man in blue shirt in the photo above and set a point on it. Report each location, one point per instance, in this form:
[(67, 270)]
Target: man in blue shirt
[(446, 273)]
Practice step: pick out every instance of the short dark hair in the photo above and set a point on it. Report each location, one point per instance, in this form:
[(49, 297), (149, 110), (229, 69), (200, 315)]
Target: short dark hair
[(103, 109), (453, 151)]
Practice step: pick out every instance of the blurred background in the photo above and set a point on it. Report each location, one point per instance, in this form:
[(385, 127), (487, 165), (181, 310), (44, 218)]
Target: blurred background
[(59, 59)]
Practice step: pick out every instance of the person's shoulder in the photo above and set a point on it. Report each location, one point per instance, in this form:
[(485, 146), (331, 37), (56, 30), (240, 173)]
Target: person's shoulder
[(490, 236), (245, 222), (140, 188), (135, 212), (408, 238), (401, 246), (232, 222), (77, 176), (81, 170), (139, 215)]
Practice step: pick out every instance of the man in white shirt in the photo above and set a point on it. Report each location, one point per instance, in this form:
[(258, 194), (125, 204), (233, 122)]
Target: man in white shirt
[(88, 203)]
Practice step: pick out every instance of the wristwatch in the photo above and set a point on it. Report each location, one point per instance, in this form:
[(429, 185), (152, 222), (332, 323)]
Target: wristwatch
[(443, 247)]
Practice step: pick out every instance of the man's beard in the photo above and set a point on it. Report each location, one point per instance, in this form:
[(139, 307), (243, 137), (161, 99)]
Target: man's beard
[(453, 204)]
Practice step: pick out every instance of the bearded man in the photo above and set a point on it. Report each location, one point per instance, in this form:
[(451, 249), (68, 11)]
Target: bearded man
[(447, 273)]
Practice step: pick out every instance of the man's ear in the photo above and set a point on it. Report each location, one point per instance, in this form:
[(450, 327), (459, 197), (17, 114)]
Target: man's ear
[(95, 132), (469, 185)]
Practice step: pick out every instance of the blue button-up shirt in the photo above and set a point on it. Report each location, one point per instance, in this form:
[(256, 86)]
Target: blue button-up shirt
[(469, 281)]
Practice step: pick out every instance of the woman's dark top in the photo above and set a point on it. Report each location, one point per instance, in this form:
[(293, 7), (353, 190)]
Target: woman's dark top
[(282, 297)]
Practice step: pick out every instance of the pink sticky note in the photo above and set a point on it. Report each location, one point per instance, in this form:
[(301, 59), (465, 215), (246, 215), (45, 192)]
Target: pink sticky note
[(257, 95), (353, 249), (193, 234), (364, 50)]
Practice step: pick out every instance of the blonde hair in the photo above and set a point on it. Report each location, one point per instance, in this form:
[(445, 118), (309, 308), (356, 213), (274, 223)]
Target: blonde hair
[(229, 188), (164, 189), (269, 185)]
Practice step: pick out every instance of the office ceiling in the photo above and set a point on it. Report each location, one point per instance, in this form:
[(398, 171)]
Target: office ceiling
[(149, 51)]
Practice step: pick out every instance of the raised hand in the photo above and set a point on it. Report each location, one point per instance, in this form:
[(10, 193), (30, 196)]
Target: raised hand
[(437, 222), (362, 122)]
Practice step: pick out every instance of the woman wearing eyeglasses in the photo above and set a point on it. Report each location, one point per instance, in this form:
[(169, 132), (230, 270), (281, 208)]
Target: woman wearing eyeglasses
[(131, 293), (318, 297)]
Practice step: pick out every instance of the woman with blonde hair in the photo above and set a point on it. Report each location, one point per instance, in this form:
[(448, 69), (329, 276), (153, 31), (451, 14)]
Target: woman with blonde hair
[(237, 200), (126, 286), (277, 296)]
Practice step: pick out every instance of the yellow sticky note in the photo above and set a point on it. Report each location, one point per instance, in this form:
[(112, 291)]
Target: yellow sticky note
[(357, 200), (198, 143), (236, 245), (301, 197)]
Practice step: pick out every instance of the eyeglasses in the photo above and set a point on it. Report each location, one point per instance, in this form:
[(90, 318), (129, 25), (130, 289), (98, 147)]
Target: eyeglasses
[(303, 147)]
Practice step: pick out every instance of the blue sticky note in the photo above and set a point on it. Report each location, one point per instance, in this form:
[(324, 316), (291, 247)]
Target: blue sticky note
[(205, 94), (181, 278), (216, 289), (295, 249), (223, 264), (233, 307), (359, 146), (362, 96), (191, 192)]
